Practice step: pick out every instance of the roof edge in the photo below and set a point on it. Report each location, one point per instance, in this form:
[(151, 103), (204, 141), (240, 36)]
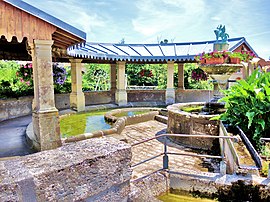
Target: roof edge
[(243, 40), (47, 17)]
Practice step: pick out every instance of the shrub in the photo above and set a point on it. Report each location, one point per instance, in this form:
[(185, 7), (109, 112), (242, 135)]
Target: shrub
[(248, 106)]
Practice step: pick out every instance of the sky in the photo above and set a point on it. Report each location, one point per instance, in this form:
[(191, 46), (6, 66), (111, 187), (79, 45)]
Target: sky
[(150, 21)]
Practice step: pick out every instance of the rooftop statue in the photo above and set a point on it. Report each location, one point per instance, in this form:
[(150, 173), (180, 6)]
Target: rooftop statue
[(220, 33)]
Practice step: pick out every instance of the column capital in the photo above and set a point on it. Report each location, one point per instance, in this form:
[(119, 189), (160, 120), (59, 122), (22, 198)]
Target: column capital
[(43, 42), (121, 62), (170, 62), (75, 60)]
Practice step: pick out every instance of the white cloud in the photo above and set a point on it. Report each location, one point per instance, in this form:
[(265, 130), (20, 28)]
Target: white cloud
[(155, 16), (216, 18)]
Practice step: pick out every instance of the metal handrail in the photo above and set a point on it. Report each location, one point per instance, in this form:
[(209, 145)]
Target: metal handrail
[(165, 153), (263, 139), (184, 135)]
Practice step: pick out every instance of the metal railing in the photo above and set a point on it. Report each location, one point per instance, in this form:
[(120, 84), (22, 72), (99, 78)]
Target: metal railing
[(166, 153), (263, 140)]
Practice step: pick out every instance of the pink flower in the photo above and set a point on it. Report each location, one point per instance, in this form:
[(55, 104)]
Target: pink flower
[(27, 83), (25, 74), (21, 79)]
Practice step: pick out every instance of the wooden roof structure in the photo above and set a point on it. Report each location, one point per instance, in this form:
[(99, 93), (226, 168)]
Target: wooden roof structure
[(21, 23)]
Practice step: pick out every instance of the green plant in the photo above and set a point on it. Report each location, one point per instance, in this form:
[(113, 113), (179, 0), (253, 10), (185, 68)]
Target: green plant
[(243, 55), (236, 55), (265, 151), (248, 106)]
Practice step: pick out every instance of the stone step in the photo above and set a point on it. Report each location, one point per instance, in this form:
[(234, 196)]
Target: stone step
[(161, 118), (163, 112)]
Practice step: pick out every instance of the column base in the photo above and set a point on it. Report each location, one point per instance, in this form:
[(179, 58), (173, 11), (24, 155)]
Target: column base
[(121, 97), (170, 96), (77, 101), (46, 129)]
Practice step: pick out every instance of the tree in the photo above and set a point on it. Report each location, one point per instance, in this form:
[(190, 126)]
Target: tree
[(96, 77)]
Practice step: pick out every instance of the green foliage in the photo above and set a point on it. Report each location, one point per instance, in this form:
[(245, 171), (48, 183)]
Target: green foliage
[(10, 83), (248, 106), (141, 75), (96, 77), (15, 83)]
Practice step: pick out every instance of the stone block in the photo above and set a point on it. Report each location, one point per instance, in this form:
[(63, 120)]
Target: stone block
[(89, 170)]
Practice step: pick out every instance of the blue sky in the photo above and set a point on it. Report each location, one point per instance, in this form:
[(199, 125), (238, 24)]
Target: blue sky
[(147, 21)]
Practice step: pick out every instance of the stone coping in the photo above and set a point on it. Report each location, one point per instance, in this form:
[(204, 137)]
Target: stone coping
[(176, 108), (119, 124), (115, 131), (111, 115)]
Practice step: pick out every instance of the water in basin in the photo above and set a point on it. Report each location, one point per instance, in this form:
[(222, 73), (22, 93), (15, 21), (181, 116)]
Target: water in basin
[(80, 123), (129, 113), (182, 198)]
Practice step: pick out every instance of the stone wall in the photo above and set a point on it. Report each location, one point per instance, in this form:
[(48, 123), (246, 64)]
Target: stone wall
[(191, 95), (98, 97), (12, 108), (90, 170), (146, 95)]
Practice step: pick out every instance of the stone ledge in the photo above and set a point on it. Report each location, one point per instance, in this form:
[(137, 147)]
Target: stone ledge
[(73, 172)]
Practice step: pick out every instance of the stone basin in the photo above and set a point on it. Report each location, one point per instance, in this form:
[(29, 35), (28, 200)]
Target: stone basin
[(181, 122)]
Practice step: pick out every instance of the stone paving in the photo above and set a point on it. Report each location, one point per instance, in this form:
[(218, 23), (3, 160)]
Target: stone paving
[(138, 132)]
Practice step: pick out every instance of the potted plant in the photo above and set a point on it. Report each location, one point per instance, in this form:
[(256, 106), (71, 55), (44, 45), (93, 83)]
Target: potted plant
[(215, 57), (235, 57), (247, 56)]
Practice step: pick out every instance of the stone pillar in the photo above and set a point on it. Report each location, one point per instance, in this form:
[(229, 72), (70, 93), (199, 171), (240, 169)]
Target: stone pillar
[(45, 115), (245, 70), (113, 78), (77, 99), (121, 94), (170, 92), (181, 76), (219, 46)]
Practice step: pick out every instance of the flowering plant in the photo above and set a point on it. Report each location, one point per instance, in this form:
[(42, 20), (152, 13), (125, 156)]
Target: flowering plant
[(59, 74), (215, 54), (145, 72), (247, 55), (225, 55), (25, 74), (198, 74)]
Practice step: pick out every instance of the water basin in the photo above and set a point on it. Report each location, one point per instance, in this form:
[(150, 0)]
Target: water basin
[(182, 198), (75, 124), (129, 113)]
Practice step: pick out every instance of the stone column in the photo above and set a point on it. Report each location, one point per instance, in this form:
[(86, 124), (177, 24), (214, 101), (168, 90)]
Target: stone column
[(181, 76), (113, 78), (245, 70), (77, 99), (121, 94), (170, 92), (45, 115)]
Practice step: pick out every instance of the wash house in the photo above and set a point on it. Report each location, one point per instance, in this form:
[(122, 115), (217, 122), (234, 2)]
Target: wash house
[(29, 34)]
